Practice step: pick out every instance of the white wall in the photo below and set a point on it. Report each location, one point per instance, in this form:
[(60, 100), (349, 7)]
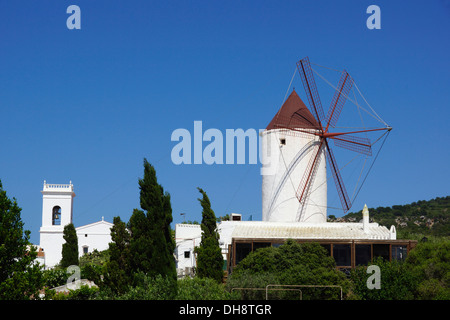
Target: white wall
[(57, 195), (289, 163), (52, 243), (187, 237), (94, 236)]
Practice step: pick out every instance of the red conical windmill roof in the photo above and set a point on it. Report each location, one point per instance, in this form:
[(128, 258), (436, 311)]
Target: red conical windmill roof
[(293, 114)]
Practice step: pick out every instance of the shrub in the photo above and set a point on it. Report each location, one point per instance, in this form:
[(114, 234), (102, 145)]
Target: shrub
[(291, 264), (248, 285), (83, 293), (150, 288), (201, 289), (55, 277), (429, 262), (397, 282)]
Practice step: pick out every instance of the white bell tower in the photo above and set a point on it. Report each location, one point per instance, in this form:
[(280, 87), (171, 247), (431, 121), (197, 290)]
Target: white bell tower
[(57, 208)]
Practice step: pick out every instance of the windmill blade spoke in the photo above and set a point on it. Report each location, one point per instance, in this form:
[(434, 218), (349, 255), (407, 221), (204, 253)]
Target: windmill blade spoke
[(345, 200), (353, 143), (309, 84), (339, 98), (305, 183)]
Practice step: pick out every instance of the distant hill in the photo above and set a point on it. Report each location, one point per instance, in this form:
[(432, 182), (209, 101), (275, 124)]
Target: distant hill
[(427, 218)]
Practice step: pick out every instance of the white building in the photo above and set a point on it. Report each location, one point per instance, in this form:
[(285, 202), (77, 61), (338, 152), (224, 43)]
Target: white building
[(350, 244), (189, 236), (57, 211), (287, 146)]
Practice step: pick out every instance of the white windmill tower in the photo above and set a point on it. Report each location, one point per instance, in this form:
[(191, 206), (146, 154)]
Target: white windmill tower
[(294, 145), (287, 150)]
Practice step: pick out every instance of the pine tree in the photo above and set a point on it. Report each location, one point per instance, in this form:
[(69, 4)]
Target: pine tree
[(209, 258), (20, 277), (70, 247), (152, 245)]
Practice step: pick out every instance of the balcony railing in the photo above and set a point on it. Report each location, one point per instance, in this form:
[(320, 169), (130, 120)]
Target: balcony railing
[(58, 186)]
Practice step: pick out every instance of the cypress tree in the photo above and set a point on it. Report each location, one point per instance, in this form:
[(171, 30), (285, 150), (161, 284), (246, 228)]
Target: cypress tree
[(152, 245), (117, 269), (141, 243), (70, 247), (209, 254)]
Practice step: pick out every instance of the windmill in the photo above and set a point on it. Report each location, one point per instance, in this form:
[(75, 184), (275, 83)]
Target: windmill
[(301, 171)]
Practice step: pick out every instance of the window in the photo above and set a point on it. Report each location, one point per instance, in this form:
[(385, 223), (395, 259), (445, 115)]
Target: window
[(362, 254), (56, 216), (187, 254), (283, 141), (242, 250), (327, 247), (257, 245), (381, 250), (342, 254), (85, 249), (399, 253)]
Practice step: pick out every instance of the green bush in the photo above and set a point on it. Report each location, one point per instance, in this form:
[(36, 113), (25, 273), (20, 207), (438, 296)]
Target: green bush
[(429, 262), (150, 288), (291, 264), (201, 289), (433, 289), (247, 285), (54, 277), (83, 293), (396, 282), (93, 273)]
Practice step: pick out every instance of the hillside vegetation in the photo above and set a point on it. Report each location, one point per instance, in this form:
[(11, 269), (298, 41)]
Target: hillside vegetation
[(418, 219)]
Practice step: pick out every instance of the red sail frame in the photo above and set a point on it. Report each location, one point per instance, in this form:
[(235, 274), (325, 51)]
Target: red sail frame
[(342, 139)]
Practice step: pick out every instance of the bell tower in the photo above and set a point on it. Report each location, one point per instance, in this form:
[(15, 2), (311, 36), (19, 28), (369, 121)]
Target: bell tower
[(57, 208)]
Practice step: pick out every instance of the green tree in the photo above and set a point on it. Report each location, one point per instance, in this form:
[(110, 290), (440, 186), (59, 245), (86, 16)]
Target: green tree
[(70, 247), (152, 244), (291, 264), (20, 277), (201, 289), (209, 258), (429, 262), (151, 287), (117, 269), (141, 242), (396, 282)]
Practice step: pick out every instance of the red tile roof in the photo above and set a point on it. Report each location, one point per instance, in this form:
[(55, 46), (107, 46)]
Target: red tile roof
[(293, 114)]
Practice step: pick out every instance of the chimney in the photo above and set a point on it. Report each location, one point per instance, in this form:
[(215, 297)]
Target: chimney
[(365, 213)]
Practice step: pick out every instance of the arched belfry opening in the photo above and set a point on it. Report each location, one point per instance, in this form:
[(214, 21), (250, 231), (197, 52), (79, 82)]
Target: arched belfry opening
[(56, 216)]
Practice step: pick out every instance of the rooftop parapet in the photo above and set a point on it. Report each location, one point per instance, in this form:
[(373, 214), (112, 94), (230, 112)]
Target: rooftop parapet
[(58, 187)]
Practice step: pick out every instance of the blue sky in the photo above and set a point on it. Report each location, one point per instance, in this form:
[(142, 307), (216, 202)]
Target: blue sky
[(88, 105)]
